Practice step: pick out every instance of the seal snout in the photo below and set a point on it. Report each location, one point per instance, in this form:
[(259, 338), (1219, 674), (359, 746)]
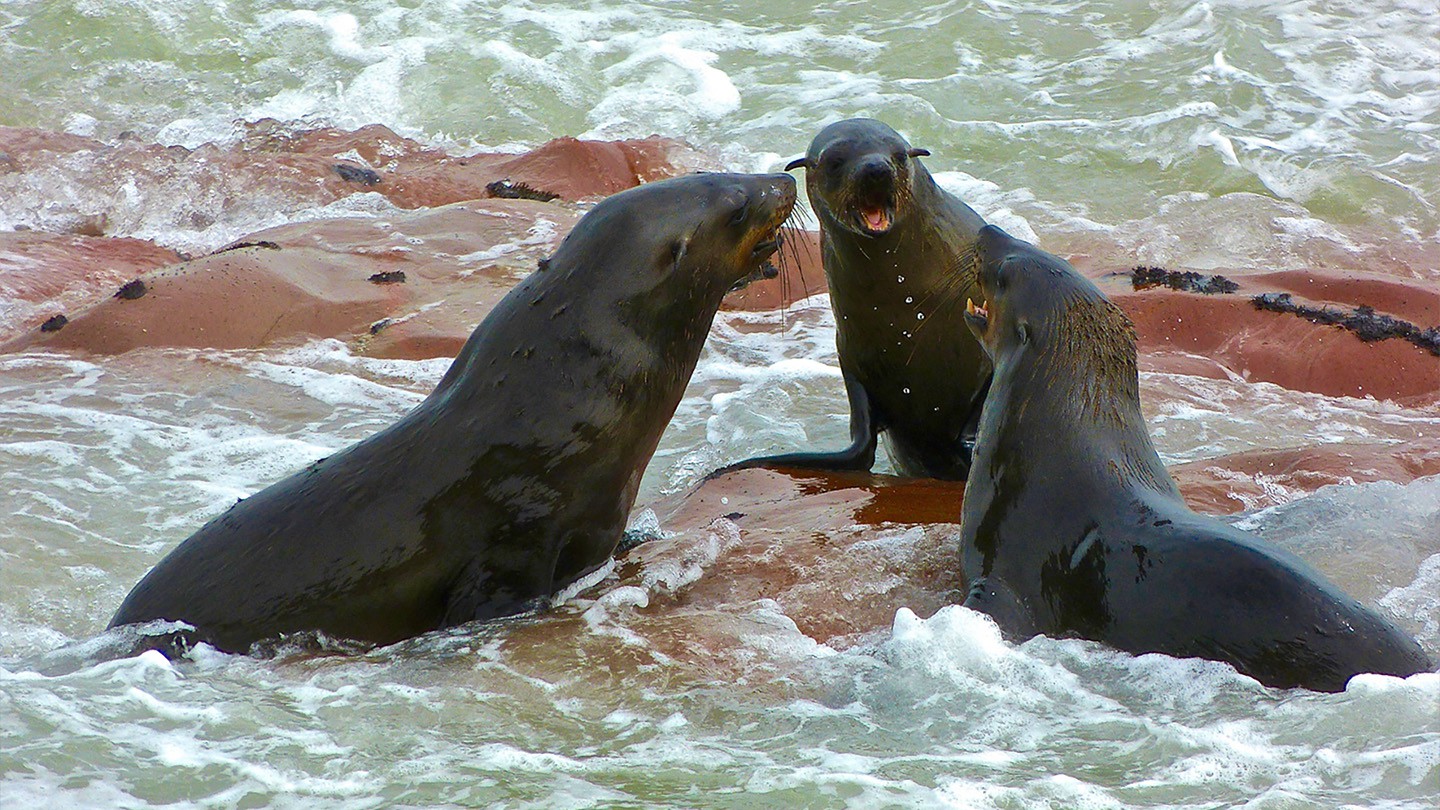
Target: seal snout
[(874, 184)]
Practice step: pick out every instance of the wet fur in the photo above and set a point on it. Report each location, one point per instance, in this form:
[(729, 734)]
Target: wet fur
[(919, 381), (1071, 525), (515, 476)]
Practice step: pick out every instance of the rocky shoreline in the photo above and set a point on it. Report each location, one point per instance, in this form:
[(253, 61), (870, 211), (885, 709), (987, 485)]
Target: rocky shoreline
[(454, 233)]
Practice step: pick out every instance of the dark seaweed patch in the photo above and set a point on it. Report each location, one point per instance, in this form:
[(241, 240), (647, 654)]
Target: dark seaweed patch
[(506, 190), (131, 290), (357, 174), (55, 324), (260, 244), (389, 277), (1363, 321), (1145, 277)]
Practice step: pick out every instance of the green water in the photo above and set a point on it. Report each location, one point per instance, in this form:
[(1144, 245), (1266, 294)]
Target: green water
[(1237, 135)]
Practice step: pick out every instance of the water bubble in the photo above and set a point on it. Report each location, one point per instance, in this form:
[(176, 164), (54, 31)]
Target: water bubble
[(900, 279), (919, 316), (905, 390), (909, 299)]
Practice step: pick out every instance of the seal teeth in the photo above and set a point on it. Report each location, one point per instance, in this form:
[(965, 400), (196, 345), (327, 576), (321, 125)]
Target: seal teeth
[(971, 308), (876, 219)]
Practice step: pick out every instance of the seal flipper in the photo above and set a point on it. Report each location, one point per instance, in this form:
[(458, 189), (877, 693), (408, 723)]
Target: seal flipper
[(858, 457), (480, 595), (993, 598)]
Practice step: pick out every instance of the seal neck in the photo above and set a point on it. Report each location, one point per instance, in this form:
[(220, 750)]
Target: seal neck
[(1079, 387)]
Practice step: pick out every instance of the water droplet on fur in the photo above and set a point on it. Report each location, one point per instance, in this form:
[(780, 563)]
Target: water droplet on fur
[(900, 279), (909, 299), (905, 390), (919, 316)]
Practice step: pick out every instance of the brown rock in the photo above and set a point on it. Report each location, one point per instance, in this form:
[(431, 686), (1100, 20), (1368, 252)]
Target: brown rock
[(42, 274), (1200, 334), (313, 280), (789, 535), (1261, 478)]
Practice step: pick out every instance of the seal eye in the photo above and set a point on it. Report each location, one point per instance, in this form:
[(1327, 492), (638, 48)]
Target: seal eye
[(1022, 329)]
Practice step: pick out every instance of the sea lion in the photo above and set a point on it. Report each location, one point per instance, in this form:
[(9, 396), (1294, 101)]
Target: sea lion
[(515, 476), (1071, 525), (891, 242)]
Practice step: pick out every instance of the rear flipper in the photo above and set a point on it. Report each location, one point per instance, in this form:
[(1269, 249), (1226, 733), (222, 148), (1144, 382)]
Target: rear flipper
[(858, 457)]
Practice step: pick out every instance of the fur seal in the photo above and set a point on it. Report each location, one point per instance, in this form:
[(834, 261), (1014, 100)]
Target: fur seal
[(1071, 525), (515, 476), (891, 242)]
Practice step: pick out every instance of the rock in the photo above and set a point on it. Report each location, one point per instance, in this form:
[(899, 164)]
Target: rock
[(313, 279)]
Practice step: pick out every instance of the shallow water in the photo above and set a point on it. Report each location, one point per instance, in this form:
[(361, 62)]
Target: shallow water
[(1244, 136)]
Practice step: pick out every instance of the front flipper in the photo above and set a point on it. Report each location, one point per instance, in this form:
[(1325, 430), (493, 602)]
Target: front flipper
[(859, 456), (993, 598)]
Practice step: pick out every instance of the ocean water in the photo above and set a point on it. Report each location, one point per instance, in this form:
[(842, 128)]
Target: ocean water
[(1244, 136)]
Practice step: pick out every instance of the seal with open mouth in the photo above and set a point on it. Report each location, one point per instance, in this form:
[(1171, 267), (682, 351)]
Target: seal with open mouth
[(1071, 525), (893, 245), (515, 476)]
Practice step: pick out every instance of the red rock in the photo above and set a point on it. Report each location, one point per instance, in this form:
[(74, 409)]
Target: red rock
[(1260, 478), (43, 274), (312, 279), (1257, 346), (800, 533), (297, 168)]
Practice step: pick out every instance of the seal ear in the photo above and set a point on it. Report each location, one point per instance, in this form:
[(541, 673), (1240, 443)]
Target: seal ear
[(918, 152), (798, 162)]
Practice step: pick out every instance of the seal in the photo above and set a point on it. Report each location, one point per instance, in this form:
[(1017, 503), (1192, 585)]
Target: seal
[(515, 476), (1071, 525), (892, 244)]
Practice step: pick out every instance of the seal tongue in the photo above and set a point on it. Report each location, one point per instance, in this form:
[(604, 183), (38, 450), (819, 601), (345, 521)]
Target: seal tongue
[(876, 219)]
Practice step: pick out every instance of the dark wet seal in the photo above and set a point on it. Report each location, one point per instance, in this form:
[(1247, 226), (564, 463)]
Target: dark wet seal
[(131, 290), (357, 174), (506, 190), (238, 245), (515, 477), (55, 324), (1072, 526), (1363, 321), (389, 277), (1142, 278)]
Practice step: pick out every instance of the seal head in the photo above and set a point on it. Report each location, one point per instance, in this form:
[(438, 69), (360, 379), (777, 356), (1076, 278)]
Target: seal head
[(863, 171)]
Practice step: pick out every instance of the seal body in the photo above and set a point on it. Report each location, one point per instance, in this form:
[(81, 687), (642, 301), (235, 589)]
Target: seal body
[(894, 248), (515, 476), (1071, 525)]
